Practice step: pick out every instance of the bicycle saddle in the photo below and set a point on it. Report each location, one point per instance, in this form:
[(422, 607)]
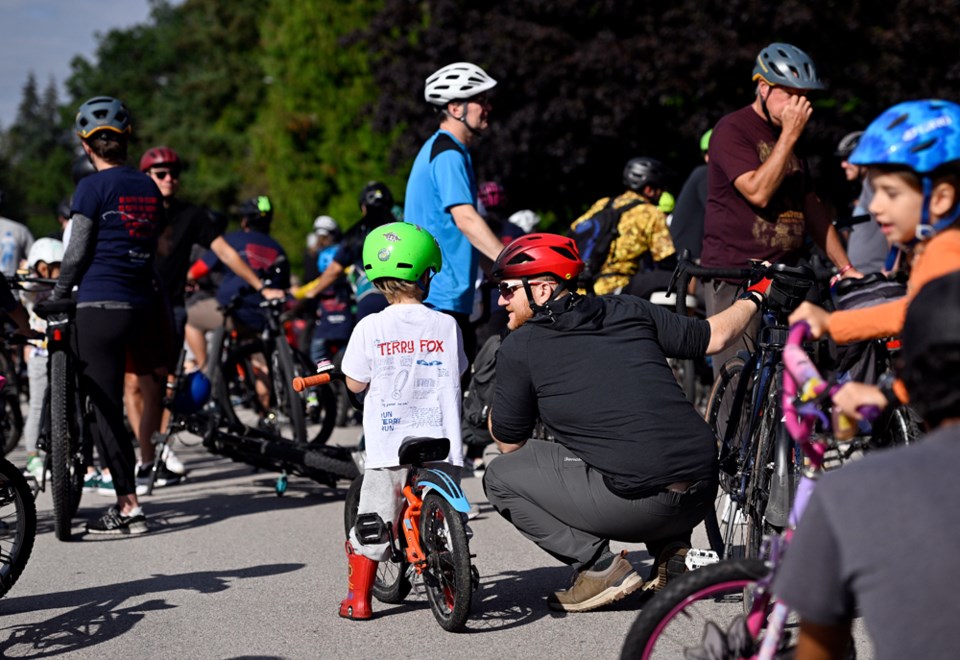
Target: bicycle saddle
[(47, 307), (851, 284), (417, 450)]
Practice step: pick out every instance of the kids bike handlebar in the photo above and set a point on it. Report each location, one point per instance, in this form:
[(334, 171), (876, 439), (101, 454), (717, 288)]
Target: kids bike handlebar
[(802, 382), (300, 384)]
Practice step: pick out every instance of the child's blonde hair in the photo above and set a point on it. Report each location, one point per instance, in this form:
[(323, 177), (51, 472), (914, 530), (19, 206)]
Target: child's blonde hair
[(396, 289)]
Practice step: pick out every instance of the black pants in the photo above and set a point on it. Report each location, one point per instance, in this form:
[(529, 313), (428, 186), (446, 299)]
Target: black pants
[(103, 337), (562, 504)]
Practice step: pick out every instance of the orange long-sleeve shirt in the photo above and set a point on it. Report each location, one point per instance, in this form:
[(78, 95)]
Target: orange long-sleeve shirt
[(939, 256)]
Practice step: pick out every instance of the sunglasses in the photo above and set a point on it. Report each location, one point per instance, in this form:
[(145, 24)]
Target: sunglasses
[(506, 289), (162, 174)]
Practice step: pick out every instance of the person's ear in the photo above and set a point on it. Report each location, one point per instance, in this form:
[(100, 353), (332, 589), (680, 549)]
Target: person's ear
[(942, 199)]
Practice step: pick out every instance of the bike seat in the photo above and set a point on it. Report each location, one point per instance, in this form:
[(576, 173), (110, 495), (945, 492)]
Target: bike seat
[(670, 300), (417, 451), (852, 284), (48, 307)]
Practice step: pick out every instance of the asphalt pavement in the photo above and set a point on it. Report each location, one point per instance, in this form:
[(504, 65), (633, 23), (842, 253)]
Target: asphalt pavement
[(231, 570)]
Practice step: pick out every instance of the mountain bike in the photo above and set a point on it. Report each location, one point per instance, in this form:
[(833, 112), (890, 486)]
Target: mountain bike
[(11, 417), (727, 608), (434, 544)]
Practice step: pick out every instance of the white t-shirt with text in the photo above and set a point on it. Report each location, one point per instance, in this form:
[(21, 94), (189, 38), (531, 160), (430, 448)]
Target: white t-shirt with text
[(412, 357)]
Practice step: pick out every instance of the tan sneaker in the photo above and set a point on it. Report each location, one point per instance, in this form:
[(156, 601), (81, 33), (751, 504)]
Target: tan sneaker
[(593, 589), (671, 564)]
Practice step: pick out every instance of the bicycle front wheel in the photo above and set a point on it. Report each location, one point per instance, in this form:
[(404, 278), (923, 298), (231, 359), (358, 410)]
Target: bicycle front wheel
[(66, 463), (676, 619), (448, 577), (289, 412), (18, 524), (392, 583)]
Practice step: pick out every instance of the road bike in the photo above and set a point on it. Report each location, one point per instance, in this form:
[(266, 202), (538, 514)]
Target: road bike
[(758, 465), (434, 544), (727, 608)]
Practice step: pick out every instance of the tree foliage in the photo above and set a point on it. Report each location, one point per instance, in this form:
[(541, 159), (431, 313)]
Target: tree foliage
[(306, 101)]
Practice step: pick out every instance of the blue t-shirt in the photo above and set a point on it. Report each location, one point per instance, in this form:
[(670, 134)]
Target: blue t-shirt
[(126, 208), (442, 177), (350, 253), (261, 252)]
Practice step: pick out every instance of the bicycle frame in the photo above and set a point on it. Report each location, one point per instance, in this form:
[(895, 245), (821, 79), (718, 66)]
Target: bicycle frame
[(410, 519)]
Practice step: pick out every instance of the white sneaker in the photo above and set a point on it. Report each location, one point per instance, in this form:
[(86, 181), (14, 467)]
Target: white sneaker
[(171, 461)]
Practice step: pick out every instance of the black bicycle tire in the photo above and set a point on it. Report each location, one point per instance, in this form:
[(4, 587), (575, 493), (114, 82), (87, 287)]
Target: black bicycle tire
[(63, 463), (340, 465), (761, 477), (723, 527), (453, 554), (12, 423), (24, 527), (898, 427), (287, 399), (648, 629), (392, 584)]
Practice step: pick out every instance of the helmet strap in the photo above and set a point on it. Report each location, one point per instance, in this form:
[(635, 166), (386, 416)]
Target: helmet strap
[(926, 229), (763, 106), (463, 118)]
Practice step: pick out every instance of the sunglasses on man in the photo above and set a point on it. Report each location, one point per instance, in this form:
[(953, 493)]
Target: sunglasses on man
[(163, 174)]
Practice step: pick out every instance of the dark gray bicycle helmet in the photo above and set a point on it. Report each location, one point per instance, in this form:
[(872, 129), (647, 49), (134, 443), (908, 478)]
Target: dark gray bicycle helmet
[(784, 65), (376, 195), (847, 144), (640, 172), (102, 113)]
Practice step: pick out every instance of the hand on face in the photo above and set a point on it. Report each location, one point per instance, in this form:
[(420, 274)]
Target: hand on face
[(795, 114)]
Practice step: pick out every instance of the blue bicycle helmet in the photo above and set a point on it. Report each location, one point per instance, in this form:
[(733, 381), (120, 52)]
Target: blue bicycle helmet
[(919, 135), (194, 393)]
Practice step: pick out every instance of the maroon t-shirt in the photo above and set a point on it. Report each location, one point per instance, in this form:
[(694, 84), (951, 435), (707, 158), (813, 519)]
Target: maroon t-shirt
[(734, 229)]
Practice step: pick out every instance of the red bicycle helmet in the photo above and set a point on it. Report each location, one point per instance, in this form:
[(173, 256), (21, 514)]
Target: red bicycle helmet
[(158, 156), (539, 254)]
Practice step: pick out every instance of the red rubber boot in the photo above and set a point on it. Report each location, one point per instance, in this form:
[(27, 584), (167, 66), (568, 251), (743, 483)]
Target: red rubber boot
[(359, 585)]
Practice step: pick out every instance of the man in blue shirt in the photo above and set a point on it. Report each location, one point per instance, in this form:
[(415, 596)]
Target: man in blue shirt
[(442, 190)]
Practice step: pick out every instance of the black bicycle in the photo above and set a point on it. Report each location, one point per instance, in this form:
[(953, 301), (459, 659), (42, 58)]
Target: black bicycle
[(64, 434), (18, 524)]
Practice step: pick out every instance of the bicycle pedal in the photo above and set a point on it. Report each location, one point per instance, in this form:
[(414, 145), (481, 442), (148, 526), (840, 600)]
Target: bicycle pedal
[(698, 558)]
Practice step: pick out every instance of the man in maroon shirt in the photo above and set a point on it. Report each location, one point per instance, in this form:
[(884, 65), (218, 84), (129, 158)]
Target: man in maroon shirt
[(760, 202)]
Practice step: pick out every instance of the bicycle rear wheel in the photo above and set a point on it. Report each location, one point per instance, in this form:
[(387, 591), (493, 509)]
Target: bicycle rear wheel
[(289, 414), (392, 583), (18, 524), (66, 462), (675, 620), (448, 577)]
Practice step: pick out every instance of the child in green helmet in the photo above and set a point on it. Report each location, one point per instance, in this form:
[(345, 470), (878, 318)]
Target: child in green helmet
[(408, 359)]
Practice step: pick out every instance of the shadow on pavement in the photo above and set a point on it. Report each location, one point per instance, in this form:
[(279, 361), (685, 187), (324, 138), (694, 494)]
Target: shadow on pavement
[(99, 614)]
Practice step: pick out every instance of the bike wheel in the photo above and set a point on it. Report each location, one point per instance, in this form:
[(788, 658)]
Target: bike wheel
[(769, 479), (392, 583), (66, 463), (448, 578), (324, 411), (897, 427), (11, 422), (727, 531), (676, 619), (18, 524), (289, 411)]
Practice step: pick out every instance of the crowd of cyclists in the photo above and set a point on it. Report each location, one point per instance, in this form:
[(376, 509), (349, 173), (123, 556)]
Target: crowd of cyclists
[(585, 357)]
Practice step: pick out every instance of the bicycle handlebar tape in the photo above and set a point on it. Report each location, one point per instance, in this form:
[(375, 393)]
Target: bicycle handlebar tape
[(300, 384)]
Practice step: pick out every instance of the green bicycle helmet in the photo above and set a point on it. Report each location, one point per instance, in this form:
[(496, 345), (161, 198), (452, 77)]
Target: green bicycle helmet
[(401, 250)]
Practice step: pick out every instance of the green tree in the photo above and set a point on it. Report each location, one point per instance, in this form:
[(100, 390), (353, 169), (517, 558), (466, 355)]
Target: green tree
[(314, 136)]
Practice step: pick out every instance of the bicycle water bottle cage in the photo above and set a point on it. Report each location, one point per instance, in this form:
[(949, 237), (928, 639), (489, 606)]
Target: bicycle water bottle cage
[(416, 451), (370, 528), (789, 287)]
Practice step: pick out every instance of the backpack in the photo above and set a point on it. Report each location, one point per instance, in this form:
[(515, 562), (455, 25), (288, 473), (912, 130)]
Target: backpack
[(594, 237), (479, 395)]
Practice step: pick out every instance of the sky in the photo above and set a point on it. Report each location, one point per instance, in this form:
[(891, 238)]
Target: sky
[(42, 36)]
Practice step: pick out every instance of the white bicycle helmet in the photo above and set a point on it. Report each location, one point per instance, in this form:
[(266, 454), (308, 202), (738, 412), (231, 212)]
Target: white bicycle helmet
[(457, 81), (47, 250), (526, 219), (325, 226)]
